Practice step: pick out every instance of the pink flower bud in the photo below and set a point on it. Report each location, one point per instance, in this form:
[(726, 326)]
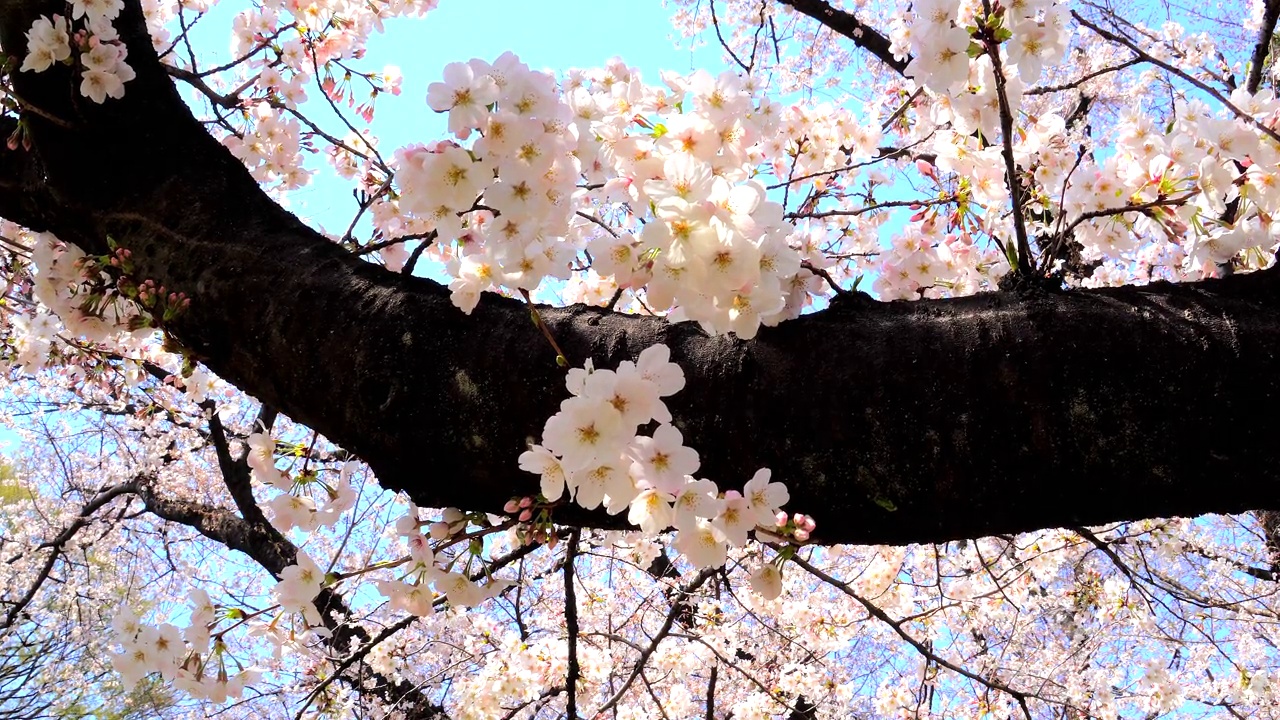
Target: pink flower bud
[(926, 169), (801, 535), (511, 506), (780, 518), (809, 524), (526, 515), (798, 519), (526, 502)]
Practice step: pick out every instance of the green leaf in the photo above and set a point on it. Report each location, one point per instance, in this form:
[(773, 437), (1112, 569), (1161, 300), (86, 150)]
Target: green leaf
[(886, 503), (1011, 254)]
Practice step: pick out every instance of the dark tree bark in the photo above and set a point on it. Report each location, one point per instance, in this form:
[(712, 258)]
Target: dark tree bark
[(848, 25), (889, 422)]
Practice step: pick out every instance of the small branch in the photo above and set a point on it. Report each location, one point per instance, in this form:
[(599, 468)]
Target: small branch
[(352, 659), (1025, 266), (1199, 84), (906, 104), (571, 627), (561, 359), (716, 23), (711, 693), (364, 650), (677, 603), (540, 700), (913, 204), (613, 301), (34, 110), (1073, 84), (374, 247), (1106, 212), (882, 154), (412, 262), (599, 222), (265, 43), (235, 473), (377, 157), (57, 543), (825, 276), (920, 647)]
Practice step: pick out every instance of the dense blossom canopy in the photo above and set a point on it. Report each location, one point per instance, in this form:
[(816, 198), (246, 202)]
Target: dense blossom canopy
[(851, 381)]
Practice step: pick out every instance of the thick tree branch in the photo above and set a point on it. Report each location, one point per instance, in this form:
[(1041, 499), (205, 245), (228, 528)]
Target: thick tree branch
[(848, 25), (895, 422), (1262, 48)]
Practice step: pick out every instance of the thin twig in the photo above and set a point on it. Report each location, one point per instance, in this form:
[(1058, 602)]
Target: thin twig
[(1199, 84), (1106, 212), (716, 22), (561, 359), (571, 627), (875, 611), (1072, 84), (677, 601)]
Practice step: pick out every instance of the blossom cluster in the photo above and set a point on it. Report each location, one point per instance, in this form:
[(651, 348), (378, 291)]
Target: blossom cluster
[(288, 50), (940, 40), (714, 247), (591, 449), (412, 590), (301, 581), (271, 149), (191, 658), (99, 51), (1187, 175), (82, 298), (293, 507)]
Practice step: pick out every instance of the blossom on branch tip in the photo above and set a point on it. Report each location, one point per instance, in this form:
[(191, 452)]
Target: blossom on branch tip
[(465, 95), (767, 581), (702, 545), (47, 43)]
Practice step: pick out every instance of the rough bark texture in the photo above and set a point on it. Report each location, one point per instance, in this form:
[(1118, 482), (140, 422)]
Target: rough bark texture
[(894, 422)]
